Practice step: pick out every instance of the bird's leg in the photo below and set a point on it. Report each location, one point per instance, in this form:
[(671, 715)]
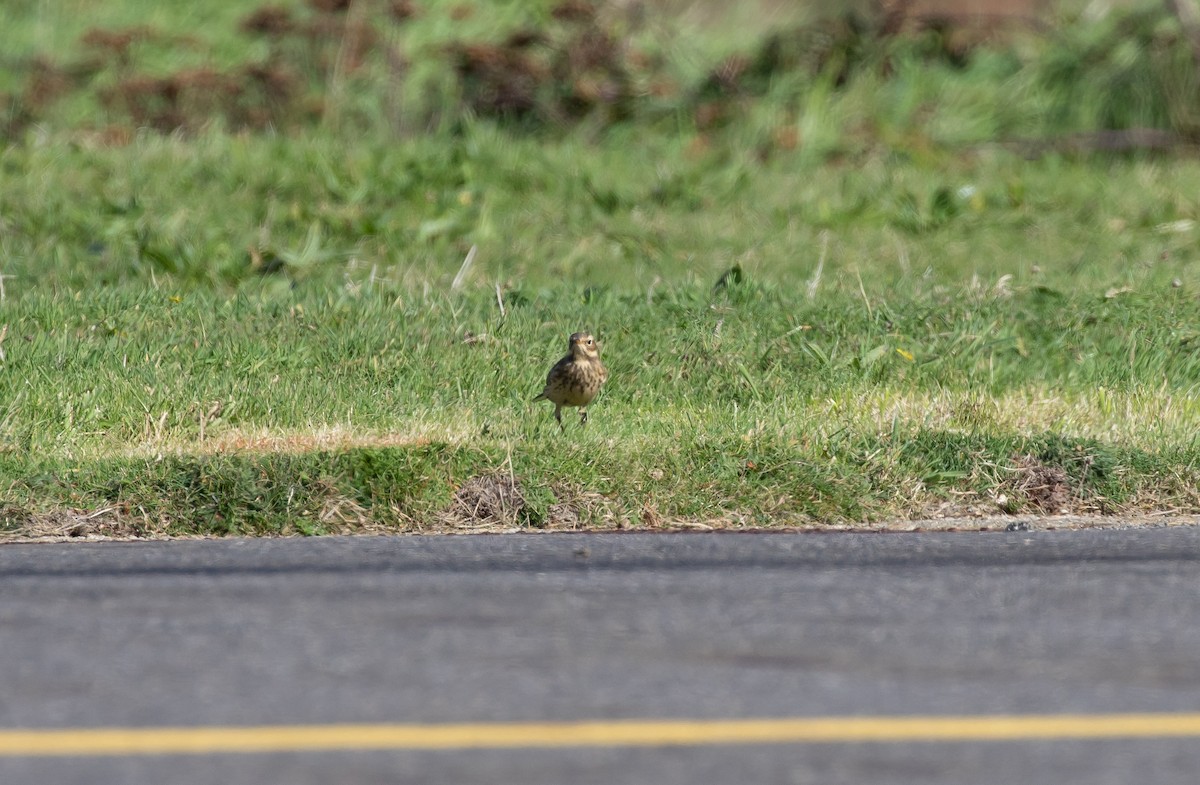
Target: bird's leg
[(583, 416), (558, 416)]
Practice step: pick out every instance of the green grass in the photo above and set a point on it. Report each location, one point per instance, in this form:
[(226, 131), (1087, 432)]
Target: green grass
[(749, 405), (186, 213), (887, 316)]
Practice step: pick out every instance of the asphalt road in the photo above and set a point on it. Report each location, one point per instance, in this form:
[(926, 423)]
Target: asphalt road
[(555, 629)]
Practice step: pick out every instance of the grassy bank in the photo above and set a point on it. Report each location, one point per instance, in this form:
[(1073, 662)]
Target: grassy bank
[(748, 406)]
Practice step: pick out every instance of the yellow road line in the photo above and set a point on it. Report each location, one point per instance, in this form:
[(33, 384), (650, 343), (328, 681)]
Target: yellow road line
[(599, 733)]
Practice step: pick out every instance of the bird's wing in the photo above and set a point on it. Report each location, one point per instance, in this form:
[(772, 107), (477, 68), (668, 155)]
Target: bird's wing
[(555, 371)]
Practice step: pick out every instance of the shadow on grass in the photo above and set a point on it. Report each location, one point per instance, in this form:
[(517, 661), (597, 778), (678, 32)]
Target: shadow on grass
[(766, 481)]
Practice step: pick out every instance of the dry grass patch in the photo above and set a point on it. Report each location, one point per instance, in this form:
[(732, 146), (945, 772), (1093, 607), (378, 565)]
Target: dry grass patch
[(1145, 418), (17, 523), (489, 502), (577, 507), (499, 501), (333, 438)]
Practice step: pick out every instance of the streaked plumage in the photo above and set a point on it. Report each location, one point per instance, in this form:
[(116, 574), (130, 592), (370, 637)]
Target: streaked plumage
[(576, 379)]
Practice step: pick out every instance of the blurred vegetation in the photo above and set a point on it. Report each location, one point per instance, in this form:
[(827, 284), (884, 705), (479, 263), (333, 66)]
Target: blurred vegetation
[(865, 74), (329, 143)]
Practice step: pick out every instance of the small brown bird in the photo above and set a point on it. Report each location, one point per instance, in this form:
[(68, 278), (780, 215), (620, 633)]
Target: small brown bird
[(575, 379)]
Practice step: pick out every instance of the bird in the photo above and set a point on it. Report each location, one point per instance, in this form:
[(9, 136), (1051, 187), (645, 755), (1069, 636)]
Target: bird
[(576, 378)]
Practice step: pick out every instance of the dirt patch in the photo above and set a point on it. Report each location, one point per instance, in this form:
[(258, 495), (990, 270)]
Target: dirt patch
[(250, 97), (498, 502), (577, 66), (488, 502), (69, 524), (1032, 487), (310, 54), (1046, 488)]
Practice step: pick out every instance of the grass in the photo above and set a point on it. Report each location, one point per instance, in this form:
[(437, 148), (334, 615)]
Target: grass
[(239, 415), (845, 303), (230, 212)]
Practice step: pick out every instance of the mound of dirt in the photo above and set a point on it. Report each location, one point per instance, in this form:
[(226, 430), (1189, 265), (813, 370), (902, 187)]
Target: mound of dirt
[(1044, 488), (489, 501)]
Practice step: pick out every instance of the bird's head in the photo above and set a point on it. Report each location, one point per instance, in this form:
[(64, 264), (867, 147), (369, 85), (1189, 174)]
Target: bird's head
[(584, 346)]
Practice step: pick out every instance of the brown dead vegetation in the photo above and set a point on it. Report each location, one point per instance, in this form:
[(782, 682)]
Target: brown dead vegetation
[(272, 21), (107, 523), (253, 97), (497, 501), (487, 502), (577, 508), (578, 66), (499, 81), (233, 440), (1046, 489)]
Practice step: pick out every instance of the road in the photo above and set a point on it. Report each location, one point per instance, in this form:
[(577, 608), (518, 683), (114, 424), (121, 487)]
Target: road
[(389, 645)]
